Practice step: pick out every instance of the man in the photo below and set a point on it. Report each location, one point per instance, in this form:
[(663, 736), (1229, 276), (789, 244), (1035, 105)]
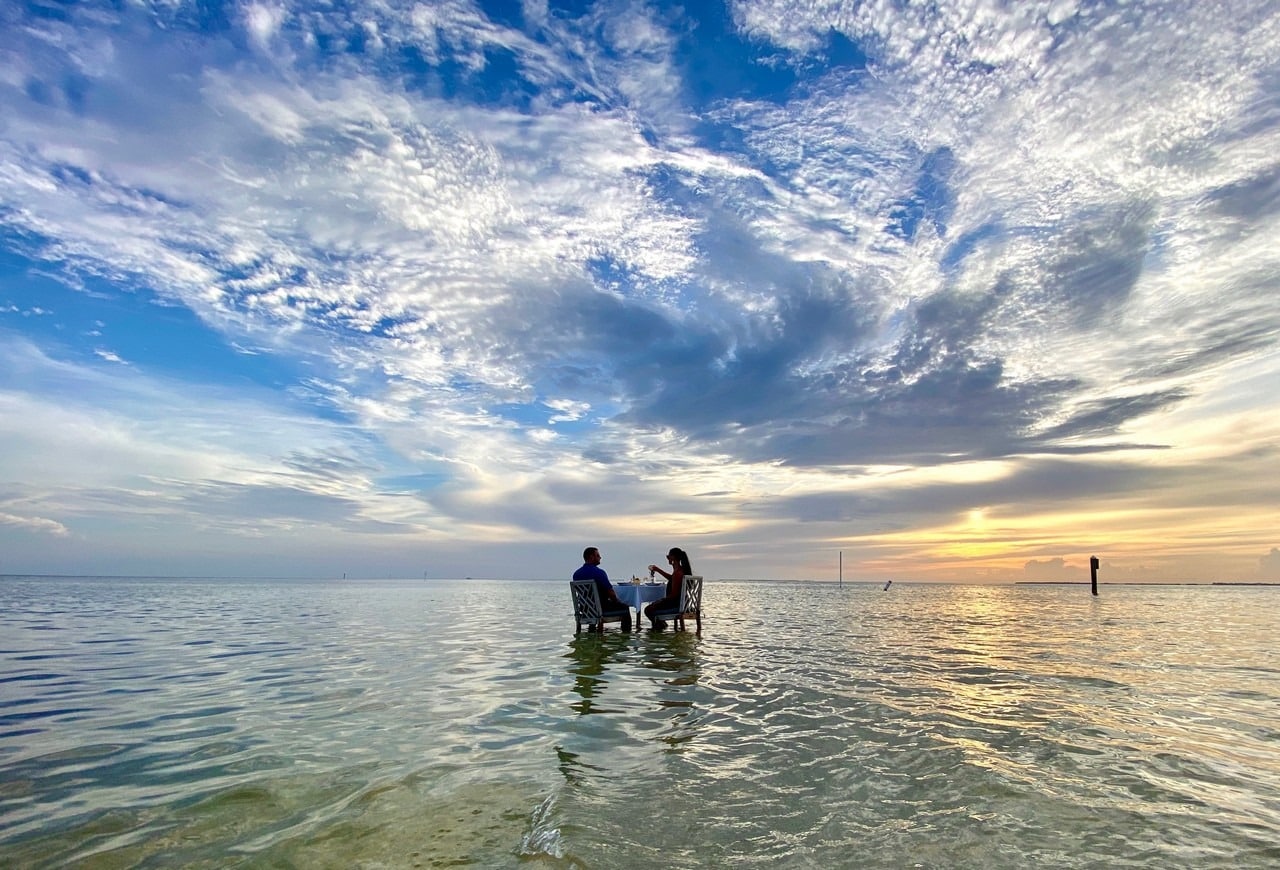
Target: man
[(591, 570)]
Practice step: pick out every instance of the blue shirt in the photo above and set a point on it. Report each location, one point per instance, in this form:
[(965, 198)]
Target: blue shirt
[(596, 573)]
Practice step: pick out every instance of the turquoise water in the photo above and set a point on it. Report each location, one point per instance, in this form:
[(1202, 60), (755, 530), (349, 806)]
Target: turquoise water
[(218, 723)]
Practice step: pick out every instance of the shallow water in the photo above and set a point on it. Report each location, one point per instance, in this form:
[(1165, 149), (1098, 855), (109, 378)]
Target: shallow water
[(216, 723)]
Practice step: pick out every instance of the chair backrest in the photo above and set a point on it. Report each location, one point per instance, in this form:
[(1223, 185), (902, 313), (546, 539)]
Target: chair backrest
[(586, 601), (691, 594)]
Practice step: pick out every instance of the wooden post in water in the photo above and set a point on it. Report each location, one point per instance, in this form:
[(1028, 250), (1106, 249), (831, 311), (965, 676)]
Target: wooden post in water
[(1093, 573), (841, 575)]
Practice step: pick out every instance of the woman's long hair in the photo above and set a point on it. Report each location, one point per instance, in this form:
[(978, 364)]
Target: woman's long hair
[(683, 557)]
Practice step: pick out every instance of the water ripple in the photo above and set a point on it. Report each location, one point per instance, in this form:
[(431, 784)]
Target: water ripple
[(275, 723)]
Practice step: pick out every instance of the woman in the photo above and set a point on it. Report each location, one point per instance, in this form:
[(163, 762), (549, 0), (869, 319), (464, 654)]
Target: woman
[(680, 569)]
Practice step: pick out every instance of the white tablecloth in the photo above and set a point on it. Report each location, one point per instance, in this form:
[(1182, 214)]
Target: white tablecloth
[(637, 595)]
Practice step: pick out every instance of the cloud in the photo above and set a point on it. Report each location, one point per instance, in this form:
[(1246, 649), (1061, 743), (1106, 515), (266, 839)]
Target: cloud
[(1052, 569), (1269, 565), (766, 253), (109, 356), (39, 525), (263, 22)]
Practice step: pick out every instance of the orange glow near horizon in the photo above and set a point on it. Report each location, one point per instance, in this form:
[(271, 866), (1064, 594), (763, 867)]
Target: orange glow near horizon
[(983, 544)]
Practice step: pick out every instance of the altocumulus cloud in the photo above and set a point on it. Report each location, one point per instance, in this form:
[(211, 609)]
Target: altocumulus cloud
[(754, 272)]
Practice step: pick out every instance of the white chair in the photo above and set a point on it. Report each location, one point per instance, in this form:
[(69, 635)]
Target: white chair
[(587, 609), (690, 603)]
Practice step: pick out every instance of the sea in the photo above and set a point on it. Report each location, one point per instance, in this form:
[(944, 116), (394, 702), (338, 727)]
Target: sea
[(163, 722)]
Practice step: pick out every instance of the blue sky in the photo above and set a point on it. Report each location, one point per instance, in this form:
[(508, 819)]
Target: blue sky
[(949, 291)]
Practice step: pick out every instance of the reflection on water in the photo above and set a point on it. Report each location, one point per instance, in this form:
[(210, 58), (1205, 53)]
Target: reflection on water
[(589, 654), (593, 656), (208, 723)]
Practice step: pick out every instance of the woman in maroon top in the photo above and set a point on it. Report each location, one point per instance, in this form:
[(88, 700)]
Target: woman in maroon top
[(680, 569)]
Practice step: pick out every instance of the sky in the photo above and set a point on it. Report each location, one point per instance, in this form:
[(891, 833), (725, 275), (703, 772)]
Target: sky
[(960, 290)]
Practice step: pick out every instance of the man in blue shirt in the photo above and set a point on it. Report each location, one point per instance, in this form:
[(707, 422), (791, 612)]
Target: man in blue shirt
[(591, 570)]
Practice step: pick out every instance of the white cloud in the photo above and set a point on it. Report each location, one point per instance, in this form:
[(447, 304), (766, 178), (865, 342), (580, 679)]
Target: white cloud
[(1038, 228), (109, 356), (263, 22), (567, 410), (39, 525)]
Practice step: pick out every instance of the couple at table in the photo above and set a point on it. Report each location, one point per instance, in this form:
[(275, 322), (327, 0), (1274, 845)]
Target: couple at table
[(680, 568)]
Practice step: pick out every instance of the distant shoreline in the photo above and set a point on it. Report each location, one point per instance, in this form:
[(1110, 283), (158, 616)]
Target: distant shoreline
[(1144, 583)]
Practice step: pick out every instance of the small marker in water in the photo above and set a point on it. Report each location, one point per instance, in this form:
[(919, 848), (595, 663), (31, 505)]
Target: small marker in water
[(887, 585)]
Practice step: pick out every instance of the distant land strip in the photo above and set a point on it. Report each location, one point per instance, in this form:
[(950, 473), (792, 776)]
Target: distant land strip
[(1141, 583)]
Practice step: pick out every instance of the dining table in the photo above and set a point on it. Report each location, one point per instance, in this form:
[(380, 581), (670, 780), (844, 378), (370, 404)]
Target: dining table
[(637, 595)]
